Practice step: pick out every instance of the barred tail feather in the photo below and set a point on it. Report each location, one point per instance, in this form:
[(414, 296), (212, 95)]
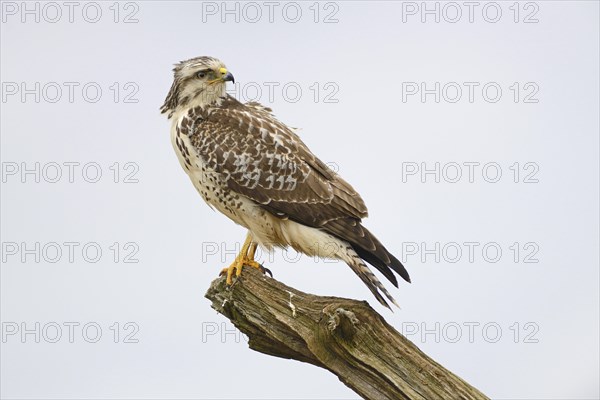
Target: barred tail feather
[(369, 279)]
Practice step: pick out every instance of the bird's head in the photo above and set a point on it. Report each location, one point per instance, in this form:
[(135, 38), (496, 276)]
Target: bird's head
[(196, 82)]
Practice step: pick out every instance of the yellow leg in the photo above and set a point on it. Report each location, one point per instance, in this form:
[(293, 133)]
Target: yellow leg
[(252, 250), (245, 257)]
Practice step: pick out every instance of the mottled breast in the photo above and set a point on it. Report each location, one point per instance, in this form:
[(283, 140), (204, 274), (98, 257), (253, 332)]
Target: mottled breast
[(210, 184)]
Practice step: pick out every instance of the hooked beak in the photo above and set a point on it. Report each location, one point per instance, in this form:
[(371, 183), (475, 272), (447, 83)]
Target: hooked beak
[(226, 76)]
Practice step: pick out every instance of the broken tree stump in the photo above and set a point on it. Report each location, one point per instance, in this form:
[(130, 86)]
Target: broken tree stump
[(344, 336)]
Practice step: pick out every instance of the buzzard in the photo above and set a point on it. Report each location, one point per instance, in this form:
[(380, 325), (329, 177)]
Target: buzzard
[(254, 169)]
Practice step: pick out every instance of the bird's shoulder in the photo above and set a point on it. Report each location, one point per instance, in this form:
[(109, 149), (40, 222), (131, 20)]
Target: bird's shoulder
[(248, 128)]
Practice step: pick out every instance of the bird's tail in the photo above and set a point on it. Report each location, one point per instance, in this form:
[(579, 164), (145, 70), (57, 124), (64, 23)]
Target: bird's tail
[(368, 247), (366, 275)]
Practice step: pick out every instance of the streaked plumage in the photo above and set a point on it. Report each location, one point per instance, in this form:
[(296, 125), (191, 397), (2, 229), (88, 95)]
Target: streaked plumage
[(256, 170)]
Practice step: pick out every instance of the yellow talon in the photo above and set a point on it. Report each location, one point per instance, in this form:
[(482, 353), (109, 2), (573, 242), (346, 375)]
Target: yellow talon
[(236, 267), (245, 258)]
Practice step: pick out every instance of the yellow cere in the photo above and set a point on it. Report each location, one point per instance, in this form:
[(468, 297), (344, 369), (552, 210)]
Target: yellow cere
[(223, 70)]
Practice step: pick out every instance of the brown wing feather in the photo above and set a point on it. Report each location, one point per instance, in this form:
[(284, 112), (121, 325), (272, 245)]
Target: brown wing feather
[(267, 162)]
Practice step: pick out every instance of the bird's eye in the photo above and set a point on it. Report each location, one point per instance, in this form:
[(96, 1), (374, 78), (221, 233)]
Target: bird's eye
[(201, 74)]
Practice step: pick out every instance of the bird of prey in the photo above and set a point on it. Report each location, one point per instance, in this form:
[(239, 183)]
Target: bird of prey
[(255, 169)]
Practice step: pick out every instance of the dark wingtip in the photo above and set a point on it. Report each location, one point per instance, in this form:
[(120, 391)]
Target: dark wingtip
[(397, 266)]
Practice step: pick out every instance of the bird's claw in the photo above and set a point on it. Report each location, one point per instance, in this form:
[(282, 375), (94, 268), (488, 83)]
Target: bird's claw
[(266, 270), (237, 266)]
